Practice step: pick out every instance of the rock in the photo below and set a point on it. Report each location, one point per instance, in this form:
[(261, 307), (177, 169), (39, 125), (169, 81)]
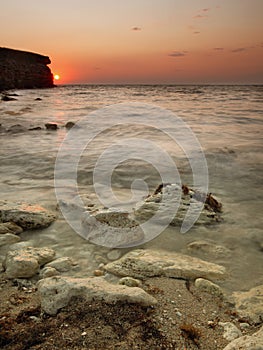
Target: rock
[(208, 247), (69, 125), (48, 271), (35, 128), (247, 342), (25, 263), (26, 215), (24, 70), (114, 254), (111, 228), (61, 264), (8, 238), (7, 98), (56, 292), (165, 198), (38, 99), (17, 128), (10, 227), (209, 287), (231, 332), (250, 304), (20, 245), (51, 126), (149, 263), (98, 273), (130, 282)]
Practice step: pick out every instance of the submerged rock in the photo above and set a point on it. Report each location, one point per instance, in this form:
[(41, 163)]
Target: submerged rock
[(16, 129), (56, 292), (165, 200), (10, 227), (250, 304), (149, 263), (69, 125), (26, 215), (208, 248), (61, 264), (247, 342), (8, 238), (25, 262)]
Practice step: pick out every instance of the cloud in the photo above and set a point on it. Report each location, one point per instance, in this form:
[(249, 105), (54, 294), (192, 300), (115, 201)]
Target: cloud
[(239, 49), (136, 29), (218, 48), (200, 16), (177, 54)]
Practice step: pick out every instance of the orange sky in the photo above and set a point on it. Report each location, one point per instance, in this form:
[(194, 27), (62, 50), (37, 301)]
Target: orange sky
[(140, 41)]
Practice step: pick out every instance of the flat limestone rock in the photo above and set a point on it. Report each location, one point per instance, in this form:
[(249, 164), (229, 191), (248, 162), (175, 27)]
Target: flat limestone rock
[(25, 215), (250, 304), (247, 342), (165, 200), (149, 263), (56, 292), (25, 263)]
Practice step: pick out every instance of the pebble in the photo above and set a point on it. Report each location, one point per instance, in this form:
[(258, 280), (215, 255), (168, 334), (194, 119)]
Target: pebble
[(114, 254), (98, 273)]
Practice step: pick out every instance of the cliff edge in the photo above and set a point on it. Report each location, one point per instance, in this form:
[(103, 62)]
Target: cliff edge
[(24, 70)]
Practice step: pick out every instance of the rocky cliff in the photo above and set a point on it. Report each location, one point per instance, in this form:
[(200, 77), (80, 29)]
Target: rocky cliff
[(24, 70)]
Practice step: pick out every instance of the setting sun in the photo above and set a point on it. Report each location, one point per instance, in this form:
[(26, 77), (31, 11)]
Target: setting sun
[(56, 77)]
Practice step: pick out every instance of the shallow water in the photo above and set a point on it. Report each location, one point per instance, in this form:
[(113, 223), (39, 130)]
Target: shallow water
[(228, 123)]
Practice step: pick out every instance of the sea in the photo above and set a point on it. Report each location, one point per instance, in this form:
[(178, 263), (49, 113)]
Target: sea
[(163, 124)]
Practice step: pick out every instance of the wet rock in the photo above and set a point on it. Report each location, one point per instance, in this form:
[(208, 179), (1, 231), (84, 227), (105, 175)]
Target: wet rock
[(209, 248), (17, 128), (26, 215), (111, 228), (10, 227), (8, 238), (165, 199), (150, 263), (69, 125), (247, 342), (114, 254), (38, 99), (209, 287), (231, 331), (51, 126), (48, 271), (25, 263), (250, 304), (35, 128), (7, 98), (56, 292), (20, 245), (61, 264), (130, 282)]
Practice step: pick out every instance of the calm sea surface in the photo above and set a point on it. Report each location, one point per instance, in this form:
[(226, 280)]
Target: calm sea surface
[(228, 122)]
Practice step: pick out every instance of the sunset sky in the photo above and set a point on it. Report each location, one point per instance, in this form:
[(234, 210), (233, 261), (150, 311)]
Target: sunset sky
[(140, 41)]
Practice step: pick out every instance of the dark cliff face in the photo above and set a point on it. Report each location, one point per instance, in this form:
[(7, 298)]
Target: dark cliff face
[(24, 70)]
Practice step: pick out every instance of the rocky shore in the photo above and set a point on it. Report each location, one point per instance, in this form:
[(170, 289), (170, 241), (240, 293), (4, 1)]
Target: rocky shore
[(24, 70), (143, 299)]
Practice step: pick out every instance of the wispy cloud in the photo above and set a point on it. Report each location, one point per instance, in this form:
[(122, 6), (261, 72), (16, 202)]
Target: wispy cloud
[(239, 49), (200, 16), (218, 48), (177, 54), (136, 29)]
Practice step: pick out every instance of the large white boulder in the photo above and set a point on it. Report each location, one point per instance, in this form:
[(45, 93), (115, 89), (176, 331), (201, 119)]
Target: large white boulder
[(56, 292), (149, 263)]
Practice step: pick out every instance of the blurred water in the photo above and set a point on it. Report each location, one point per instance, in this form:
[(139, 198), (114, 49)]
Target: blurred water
[(228, 122)]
